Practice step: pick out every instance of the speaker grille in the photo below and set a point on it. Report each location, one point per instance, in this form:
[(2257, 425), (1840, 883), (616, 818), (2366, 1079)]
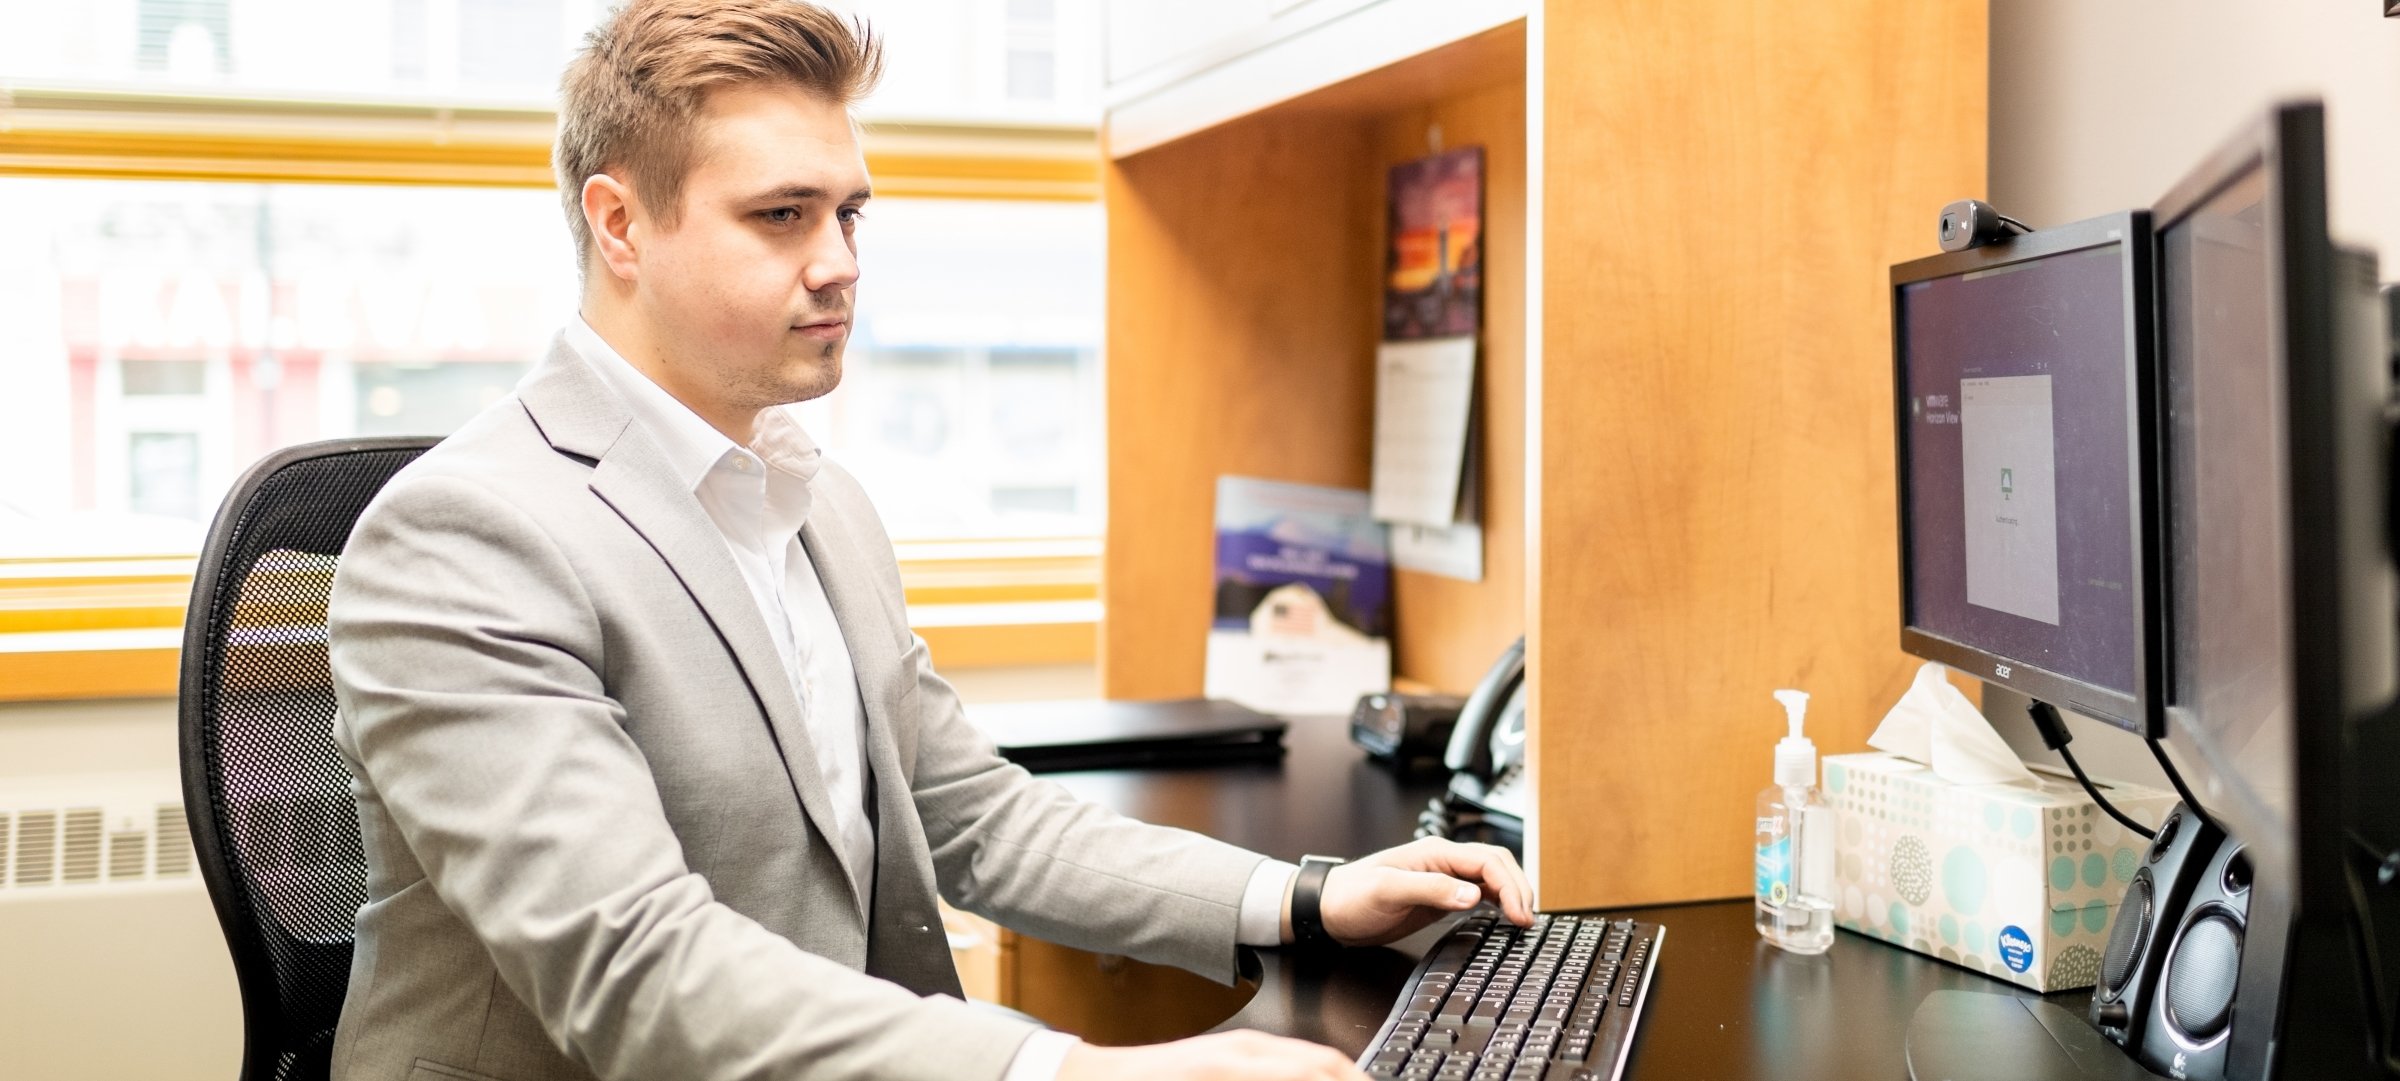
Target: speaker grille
[(2201, 976), (2166, 836), (2125, 940)]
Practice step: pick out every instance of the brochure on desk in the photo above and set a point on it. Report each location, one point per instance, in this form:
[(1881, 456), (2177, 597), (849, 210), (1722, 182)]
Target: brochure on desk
[(1303, 610)]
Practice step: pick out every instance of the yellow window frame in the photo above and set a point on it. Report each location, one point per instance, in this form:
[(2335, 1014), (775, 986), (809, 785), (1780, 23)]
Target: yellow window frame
[(80, 628)]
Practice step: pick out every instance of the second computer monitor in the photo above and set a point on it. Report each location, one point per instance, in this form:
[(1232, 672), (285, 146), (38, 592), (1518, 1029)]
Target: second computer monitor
[(2021, 373)]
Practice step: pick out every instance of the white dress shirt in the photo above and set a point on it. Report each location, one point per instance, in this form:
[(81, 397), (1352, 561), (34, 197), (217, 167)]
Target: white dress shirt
[(758, 496)]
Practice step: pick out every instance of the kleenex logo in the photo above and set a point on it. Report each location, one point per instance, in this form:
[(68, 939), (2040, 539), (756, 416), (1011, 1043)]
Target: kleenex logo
[(2016, 948)]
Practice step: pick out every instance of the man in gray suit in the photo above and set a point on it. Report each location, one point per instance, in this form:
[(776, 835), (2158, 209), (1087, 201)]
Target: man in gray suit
[(654, 779)]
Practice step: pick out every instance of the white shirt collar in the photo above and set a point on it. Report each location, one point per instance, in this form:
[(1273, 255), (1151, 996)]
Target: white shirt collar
[(694, 449)]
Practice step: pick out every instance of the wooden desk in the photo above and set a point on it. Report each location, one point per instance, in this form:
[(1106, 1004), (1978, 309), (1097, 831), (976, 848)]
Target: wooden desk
[(1724, 1005)]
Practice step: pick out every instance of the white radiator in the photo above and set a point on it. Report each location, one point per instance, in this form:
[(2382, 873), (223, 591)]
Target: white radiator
[(89, 831), (111, 962)]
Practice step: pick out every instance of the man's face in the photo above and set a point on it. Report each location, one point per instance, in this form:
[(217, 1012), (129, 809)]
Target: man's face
[(750, 294)]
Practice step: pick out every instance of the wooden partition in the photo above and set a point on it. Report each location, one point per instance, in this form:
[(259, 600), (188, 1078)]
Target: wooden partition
[(1725, 186), (1687, 471), (1245, 281)]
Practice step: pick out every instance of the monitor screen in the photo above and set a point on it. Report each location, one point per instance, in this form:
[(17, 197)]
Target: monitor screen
[(2018, 474), (2228, 641)]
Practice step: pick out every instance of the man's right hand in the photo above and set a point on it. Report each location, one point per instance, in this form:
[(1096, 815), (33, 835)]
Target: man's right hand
[(1221, 1055)]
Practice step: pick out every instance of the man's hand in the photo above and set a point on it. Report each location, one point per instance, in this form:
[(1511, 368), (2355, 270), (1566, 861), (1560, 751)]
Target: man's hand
[(1224, 1055), (1396, 892)]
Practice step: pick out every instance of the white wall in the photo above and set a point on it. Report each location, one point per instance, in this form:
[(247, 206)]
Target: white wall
[(2101, 105), (2098, 107)]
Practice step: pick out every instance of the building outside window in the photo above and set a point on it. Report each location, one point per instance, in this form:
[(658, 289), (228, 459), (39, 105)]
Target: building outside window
[(157, 336)]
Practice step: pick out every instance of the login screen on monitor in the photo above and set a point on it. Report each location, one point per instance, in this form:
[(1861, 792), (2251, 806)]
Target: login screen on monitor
[(2016, 453)]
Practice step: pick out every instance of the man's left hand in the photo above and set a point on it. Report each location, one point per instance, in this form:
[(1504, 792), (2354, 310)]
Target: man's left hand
[(1398, 891)]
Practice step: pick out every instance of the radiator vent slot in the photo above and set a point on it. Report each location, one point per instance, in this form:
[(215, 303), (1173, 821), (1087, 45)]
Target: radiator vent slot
[(174, 841), (79, 859), (37, 848), (6, 820), (128, 855)]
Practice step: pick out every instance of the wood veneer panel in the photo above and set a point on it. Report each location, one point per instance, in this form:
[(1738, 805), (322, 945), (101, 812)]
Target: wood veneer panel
[(1240, 340), (1245, 271), (1725, 186), (1449, 630)]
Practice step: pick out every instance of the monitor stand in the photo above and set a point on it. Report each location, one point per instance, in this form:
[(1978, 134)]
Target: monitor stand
[(1975, 1035)]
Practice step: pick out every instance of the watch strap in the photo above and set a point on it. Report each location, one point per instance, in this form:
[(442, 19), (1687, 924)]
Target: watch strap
[(1308, 895)]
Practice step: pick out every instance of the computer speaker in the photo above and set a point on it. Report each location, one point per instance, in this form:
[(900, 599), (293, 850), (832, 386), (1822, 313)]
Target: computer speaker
[(2149, 921), (2191, 1013)]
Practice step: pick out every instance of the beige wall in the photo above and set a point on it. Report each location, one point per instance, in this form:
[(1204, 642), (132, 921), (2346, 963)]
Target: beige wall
[(110, 982), (2102, 106)]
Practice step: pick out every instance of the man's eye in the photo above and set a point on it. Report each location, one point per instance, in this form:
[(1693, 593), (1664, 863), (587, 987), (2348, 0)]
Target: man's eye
[(783, 215), (852, 215)]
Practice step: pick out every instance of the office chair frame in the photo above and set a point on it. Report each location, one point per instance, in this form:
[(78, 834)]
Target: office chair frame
[(266, 1027)]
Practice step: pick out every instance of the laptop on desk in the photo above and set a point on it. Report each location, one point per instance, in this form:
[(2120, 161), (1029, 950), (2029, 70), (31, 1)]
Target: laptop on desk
[(1075, 734)]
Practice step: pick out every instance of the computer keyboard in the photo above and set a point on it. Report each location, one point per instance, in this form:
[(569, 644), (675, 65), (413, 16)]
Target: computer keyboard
[(1497, 1002)]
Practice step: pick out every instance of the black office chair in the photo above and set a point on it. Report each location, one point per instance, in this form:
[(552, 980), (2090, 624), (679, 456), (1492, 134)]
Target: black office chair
[(266, 794)]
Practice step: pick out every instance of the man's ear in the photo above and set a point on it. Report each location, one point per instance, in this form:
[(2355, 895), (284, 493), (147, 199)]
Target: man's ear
[(609, 214)]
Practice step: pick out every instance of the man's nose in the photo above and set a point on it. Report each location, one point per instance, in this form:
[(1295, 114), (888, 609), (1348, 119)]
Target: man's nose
[(832, 264)]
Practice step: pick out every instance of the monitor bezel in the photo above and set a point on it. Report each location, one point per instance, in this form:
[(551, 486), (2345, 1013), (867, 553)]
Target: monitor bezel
[(2131, 232), (2333, 511)]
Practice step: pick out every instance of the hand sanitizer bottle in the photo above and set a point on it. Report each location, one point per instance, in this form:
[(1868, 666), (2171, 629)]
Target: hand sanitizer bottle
[(1795, 844)]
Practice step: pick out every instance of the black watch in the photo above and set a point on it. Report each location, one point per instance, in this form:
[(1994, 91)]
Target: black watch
[(1308, 894)]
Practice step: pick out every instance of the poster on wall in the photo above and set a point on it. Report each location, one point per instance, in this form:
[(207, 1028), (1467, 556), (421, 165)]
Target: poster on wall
[(1433, 269), (1303, 612)]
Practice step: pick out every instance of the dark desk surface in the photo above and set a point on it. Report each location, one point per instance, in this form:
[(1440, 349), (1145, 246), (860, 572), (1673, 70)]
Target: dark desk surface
[(1724, 1004)]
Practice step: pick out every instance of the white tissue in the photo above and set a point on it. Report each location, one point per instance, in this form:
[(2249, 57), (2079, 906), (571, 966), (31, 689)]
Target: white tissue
[(1935, 725)]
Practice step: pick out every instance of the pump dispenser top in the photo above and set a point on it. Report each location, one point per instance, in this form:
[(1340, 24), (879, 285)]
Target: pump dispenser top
[(1795, 756)]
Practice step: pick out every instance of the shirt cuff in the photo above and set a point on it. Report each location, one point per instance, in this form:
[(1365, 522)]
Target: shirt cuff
[(1262, 904), (1040, 1056)]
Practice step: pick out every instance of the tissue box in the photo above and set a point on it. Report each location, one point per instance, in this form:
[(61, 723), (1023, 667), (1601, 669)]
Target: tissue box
[(2018, 883)]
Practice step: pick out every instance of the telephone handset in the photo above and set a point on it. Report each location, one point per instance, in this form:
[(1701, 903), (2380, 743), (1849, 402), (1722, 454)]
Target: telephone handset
[(1487, 793)]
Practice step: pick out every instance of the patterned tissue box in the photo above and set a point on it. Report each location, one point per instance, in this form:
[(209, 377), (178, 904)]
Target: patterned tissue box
[(2018, 883)]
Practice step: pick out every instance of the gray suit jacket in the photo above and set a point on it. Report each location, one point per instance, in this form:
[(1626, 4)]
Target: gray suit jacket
[(596, 835)]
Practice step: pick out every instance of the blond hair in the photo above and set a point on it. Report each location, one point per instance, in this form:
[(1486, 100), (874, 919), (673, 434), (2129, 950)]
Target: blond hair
[(627, 101)]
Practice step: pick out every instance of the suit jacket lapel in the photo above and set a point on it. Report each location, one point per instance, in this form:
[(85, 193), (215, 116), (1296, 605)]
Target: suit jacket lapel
[(871, 629), (580, 415)]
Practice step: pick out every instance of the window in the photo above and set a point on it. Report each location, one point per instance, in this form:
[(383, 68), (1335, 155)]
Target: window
[(970, 406), (162, 336), (1032, 50), (977, 60), (194, 294), (485, 50)]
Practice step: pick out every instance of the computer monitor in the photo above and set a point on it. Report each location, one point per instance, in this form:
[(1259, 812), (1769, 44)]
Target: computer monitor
[(2277, 651), (2020, 372)]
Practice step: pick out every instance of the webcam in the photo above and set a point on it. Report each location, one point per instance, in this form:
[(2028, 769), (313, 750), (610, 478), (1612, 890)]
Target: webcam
[(1973, 223)]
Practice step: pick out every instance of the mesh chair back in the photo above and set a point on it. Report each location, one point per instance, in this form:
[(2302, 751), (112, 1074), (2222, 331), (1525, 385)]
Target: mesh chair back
[(266, 793)]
